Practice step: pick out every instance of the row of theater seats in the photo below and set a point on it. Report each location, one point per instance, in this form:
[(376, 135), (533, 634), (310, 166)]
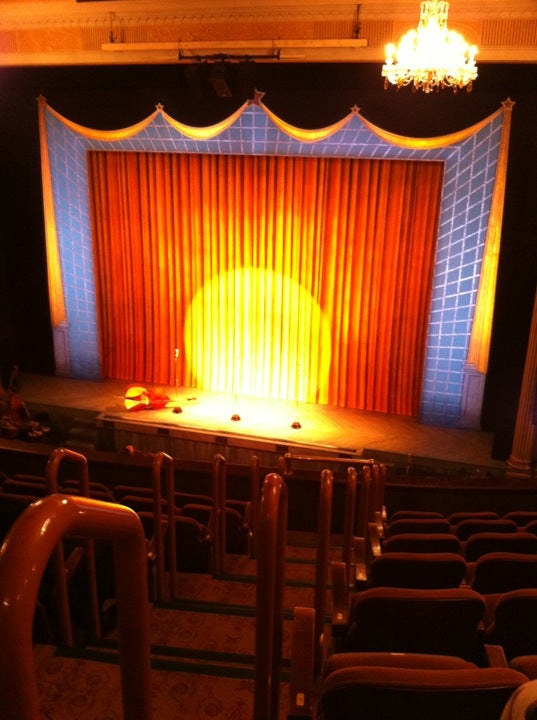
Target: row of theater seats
[(441, 622), (189, 548), (193, 513)]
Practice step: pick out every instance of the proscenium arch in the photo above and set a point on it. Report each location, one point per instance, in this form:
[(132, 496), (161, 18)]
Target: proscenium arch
[(462, 298)]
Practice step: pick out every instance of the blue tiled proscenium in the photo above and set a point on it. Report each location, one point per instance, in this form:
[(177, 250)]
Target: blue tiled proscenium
[(469, 175)]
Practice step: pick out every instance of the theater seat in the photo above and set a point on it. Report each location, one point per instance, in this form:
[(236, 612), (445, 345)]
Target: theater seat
[(521, 517), (502, 572), (417, 570), (487, 542), (416, 515), (337, 661), (526, 664), (417, 525), (439, 622), (457, 517), (514, 623), (471, 526), (423, 543), (402, 693)]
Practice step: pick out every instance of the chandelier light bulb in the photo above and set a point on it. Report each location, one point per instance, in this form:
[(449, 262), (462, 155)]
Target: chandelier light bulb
[(431, 57)]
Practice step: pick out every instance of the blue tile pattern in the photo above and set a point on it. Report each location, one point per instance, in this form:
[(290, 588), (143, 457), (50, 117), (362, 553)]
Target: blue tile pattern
[(469, 174)]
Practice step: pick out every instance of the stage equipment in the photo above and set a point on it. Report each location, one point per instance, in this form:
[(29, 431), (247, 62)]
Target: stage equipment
[(223, 73), (177, 408), (431, 57), (138, 397), (217, 79)]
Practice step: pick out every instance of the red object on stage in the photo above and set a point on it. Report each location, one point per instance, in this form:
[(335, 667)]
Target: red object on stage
[(138, 397)]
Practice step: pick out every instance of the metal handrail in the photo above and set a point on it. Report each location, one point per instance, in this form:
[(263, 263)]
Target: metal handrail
[(23, 559), (271, 540), (349, 515), (285, 463), (254, 499), (164, 461), (57, 457), (219, 509), (321, 563)]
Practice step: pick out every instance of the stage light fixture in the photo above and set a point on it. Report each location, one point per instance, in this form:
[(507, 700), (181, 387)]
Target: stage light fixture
[(217, 79)]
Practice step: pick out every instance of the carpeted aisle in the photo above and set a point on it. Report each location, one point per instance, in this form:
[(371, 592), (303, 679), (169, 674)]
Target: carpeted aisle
[(202, 651)]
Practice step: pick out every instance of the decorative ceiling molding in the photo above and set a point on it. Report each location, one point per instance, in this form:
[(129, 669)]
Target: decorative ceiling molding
[(60, 32)]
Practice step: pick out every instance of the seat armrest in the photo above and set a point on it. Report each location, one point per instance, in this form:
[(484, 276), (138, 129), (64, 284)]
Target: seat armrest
[(495, 656), (379, 523), (340, 597), (302, 679), (374, 540), (360, 563)]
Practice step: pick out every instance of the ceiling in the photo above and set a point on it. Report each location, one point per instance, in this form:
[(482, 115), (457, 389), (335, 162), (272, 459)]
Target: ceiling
[(101, 32)]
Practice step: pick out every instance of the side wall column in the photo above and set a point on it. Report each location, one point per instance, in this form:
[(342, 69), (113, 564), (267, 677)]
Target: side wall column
[(522, 459)]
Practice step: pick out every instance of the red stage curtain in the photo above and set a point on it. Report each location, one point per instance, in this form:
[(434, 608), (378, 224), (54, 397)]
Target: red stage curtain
[(297, 278)]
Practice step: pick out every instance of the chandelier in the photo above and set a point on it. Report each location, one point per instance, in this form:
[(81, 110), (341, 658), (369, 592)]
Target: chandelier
[(431, 57)]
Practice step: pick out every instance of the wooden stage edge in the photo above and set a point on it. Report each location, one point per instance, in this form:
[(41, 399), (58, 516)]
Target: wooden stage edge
[(198, 423)]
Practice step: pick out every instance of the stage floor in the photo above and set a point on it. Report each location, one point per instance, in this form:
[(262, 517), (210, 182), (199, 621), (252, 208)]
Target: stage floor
[(321, 428)]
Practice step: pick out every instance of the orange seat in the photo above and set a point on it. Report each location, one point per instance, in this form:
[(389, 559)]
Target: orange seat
[(417, 525), (441, 622), (502, 572), (471, 526), (514, 623), (417, 570), (521, 517), (487, 542), (457, 517), (416, 515), (422, 542), (404, 693)]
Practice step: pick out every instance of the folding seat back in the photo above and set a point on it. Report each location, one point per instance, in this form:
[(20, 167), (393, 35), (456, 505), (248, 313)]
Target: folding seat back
[(531, 527), (466, 528), (337, 661), (423, 543), (457, 517), (502, 572), (417, 570), (521, 517), (16, 486), (399, 693), (442, 622), (418, 525), (514, 623), (487, 542), (416, 515)]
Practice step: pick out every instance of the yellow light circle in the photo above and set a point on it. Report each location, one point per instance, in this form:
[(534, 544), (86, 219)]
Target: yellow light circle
[(257, 332)]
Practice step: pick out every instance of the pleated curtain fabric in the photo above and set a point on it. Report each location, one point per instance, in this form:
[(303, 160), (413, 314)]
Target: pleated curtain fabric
[(302, 278)]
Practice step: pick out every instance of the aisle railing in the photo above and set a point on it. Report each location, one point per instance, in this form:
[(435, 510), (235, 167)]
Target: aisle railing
[(271, 541), (23, 559)]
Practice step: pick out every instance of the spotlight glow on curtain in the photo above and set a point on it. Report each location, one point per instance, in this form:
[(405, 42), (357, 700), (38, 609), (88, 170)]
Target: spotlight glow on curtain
[(297, 278)]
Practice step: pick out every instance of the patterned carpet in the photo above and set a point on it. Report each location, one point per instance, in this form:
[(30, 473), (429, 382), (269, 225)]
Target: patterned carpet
[(202, 651)]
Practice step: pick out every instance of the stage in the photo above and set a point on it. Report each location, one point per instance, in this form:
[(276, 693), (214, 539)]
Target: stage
[(198, 423)]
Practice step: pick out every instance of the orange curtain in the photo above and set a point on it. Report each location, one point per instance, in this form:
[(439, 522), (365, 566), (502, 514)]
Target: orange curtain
[(295, 278)]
